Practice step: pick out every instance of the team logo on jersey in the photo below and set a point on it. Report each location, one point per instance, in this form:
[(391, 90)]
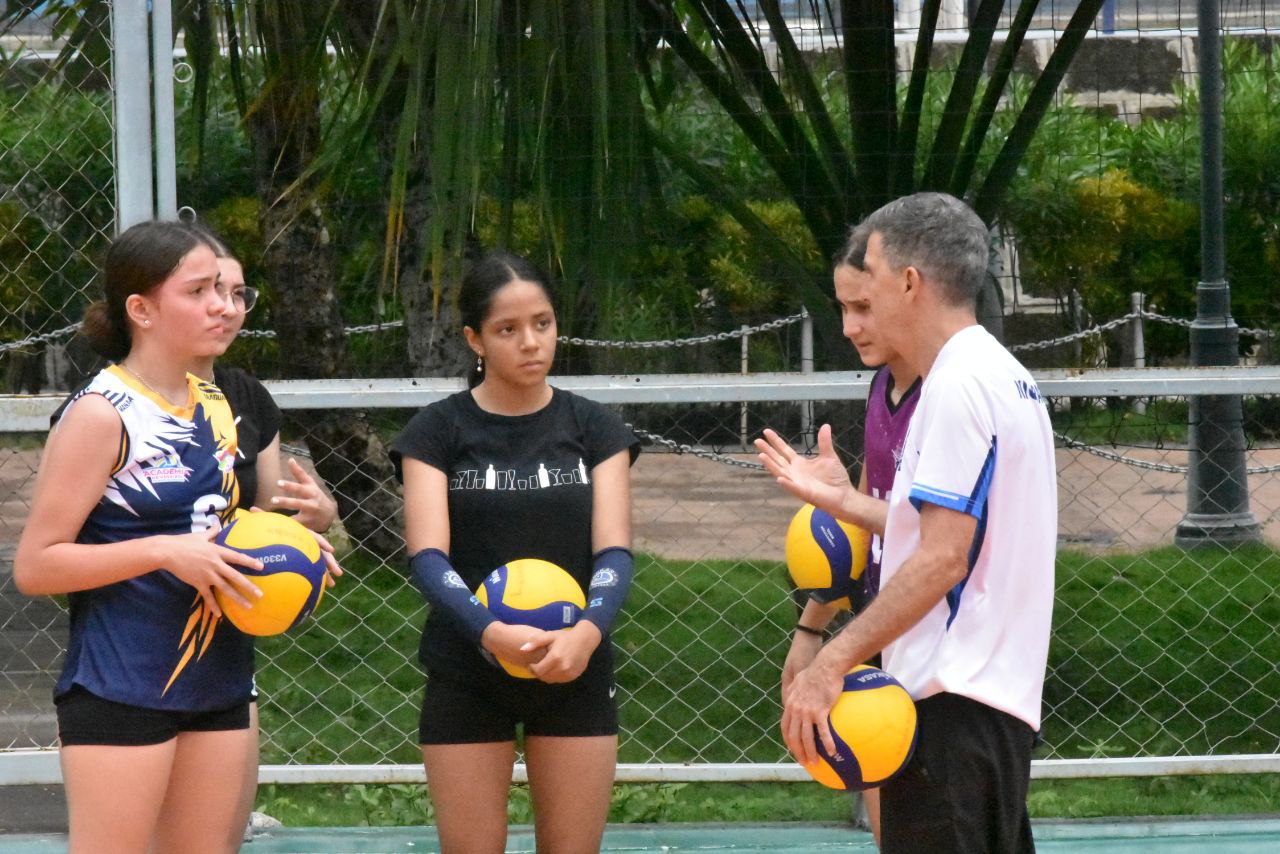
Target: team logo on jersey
[(226, 459), (167, 468)]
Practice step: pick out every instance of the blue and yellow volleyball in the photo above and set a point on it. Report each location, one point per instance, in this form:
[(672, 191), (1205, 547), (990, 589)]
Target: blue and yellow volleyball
[(291, 579), (874, 724), (825, 556), (531, 592)]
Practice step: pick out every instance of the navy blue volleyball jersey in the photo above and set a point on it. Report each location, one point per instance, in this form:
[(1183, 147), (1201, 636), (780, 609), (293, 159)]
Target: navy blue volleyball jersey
[(150, 640)]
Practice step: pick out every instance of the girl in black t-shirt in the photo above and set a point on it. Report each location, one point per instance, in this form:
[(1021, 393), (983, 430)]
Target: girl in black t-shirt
[(259, 469), (514, 468)]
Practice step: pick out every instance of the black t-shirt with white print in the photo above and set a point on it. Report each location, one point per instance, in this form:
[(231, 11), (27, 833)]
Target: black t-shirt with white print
[(519, 487)]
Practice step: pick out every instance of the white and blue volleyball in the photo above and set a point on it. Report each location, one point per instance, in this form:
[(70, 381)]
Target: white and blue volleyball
[(874, 725), (531, 592), (825, 556)]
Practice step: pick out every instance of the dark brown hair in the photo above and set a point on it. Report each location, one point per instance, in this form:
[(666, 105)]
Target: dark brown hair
[(138, 261), (487, 275)]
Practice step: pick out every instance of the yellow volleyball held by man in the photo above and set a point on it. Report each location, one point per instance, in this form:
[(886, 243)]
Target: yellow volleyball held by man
[(292, 577), (874, 725), (531, 592), (825, 556)]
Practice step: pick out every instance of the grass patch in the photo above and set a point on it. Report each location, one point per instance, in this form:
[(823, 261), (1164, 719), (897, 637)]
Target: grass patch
[(1164, 652), (1113, 421)]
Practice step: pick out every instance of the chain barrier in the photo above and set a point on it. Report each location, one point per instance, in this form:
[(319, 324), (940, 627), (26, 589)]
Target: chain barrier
[(668, 343), (678, 448), (347, 330), (1178, 321), (685, 342), (1066, 442), (1075, 336), (39, 339), (1168, 468)]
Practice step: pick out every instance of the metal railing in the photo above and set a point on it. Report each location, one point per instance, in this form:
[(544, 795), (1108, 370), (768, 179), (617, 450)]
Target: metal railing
[(1162, 660)]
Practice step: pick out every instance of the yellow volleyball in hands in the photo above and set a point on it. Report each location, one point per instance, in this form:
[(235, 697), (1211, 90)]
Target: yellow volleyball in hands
[(825, 556), (531, 592), (292, 577)]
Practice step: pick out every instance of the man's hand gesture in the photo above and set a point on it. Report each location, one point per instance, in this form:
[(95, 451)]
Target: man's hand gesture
[(821, 480)]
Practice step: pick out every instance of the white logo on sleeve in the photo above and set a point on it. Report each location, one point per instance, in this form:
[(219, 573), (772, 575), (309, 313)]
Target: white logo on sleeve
[(604, 578)]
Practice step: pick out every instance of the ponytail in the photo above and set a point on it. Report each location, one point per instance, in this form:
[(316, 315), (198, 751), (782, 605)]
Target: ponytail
[(107, 331)]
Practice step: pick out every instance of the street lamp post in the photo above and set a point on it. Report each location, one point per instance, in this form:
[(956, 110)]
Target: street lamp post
[(1217, 484)]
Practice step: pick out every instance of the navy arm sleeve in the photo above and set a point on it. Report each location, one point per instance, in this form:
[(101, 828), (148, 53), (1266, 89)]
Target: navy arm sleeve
[(611, 573), (447, 593)]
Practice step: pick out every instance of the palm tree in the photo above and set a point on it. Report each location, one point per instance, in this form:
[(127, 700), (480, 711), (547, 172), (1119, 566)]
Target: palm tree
[(280, 111), (835, 175), (542, 93)]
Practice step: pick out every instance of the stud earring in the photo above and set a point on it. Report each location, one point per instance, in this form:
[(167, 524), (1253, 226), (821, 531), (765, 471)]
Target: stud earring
[(146, 323)]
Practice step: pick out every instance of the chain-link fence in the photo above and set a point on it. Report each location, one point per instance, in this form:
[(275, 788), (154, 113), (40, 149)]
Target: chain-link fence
[(1104, 203), (57, 194), (1157, 651)]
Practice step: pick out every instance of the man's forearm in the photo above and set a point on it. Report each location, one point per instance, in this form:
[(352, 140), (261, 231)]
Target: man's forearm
[(912, 592), (862, 510)]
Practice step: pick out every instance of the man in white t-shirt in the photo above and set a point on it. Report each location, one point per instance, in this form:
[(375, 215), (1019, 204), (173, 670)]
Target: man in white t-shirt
[(966, 596)]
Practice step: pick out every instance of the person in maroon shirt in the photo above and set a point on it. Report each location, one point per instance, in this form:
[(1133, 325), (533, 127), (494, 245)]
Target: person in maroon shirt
[(890, 403)]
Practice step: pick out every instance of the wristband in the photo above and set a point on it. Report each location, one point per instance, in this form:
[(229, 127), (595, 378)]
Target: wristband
[(800, 627)]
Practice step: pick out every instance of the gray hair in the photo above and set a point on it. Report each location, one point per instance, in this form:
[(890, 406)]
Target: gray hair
[(940, 236)]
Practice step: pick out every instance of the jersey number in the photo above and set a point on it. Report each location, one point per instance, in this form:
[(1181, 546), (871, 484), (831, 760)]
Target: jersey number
[(205, 510)]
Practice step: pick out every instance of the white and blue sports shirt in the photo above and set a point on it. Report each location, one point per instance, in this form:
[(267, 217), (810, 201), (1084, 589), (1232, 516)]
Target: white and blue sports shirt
[(980, 443)]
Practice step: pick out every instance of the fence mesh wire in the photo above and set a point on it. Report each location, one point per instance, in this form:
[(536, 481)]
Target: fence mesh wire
[(1156, 650), (57, 196)]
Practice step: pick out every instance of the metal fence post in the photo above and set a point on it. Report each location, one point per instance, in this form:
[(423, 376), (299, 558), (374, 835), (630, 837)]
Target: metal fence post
[(1137, 330), (742, 417), (131, 67), (166, 202), (807, 433), (1217, 484)]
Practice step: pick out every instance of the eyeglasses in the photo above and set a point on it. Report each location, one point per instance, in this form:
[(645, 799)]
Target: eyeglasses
[(244, 298)]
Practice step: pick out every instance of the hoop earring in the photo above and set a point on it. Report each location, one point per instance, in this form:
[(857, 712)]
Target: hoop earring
[(479, 364)]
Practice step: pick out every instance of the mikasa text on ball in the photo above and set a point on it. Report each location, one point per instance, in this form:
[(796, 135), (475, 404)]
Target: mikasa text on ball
[(874, 725), (291, 579), (531, 592)]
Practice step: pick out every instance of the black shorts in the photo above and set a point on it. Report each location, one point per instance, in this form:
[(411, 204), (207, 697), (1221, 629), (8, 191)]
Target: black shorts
[(965, 788), (85, 718), (489, 710)]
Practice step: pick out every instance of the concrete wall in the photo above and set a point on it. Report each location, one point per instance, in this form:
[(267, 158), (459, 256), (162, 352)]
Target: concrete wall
[(1133, 75)]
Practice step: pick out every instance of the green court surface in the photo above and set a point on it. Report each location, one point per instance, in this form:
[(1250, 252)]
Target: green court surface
[(1208, 836)]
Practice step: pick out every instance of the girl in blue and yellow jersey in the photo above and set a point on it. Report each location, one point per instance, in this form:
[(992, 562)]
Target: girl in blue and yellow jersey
[(138, 475)]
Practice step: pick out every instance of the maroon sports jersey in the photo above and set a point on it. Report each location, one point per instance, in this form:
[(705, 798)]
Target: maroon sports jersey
[(885, 430)]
